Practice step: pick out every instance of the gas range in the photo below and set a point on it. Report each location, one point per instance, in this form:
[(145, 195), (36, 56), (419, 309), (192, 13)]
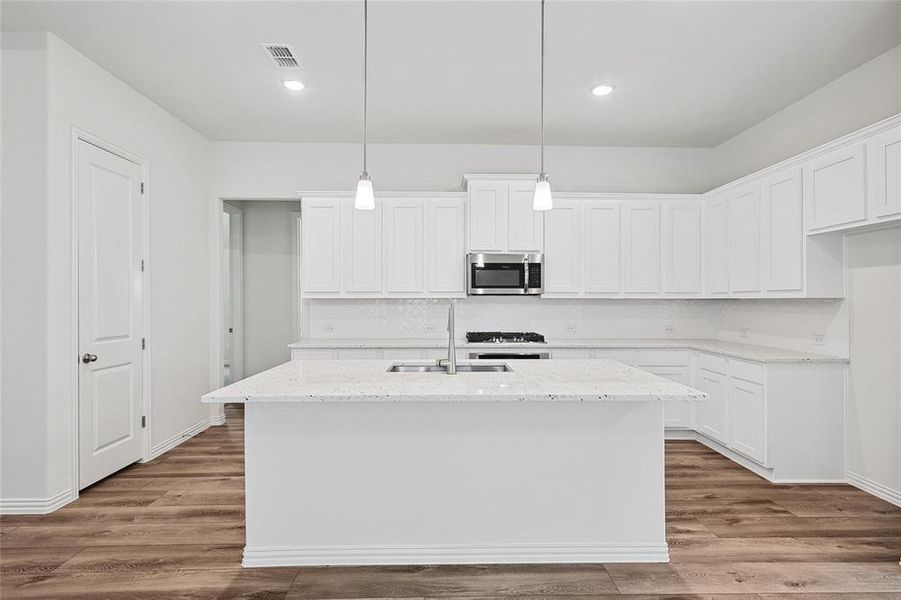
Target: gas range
[(504, 337)]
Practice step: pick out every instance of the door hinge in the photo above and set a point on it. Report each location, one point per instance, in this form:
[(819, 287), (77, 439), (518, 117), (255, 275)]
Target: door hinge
[(142, 265), (142, 187), (143, 421), (143, 343)]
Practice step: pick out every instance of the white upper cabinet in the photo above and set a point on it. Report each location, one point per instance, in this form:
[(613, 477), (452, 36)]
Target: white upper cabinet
[(563, 248), (321, 245), (602, 243), (744, 240), (445, 269), (884, 173), (783, 232), (835, 188), (641, 246), (716, 245), (500, 215), (403, 245), (681, 246), (363, 249), (525, 227), (488, 216)]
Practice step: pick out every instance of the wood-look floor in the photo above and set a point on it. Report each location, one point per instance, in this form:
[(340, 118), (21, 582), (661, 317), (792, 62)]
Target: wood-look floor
[(173, 528)]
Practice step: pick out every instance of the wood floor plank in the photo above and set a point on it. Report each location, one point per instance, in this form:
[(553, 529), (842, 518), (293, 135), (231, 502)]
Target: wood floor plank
[(31, 561), (153, 558), (452, 581), (830, 577), (781, 549), (64, 536), (792, 526)]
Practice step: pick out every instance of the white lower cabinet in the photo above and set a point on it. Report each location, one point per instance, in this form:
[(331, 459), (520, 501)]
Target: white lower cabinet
[(713, 413), (748, 432), (674, 365)]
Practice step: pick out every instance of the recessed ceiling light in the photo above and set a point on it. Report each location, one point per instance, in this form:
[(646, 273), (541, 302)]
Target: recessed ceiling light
[(603, 89), (293, 85)]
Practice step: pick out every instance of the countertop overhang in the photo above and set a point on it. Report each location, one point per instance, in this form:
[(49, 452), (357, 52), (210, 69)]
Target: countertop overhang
[(595, 380)]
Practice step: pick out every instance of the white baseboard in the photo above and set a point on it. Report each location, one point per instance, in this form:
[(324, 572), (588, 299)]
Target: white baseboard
[(35, 506), (876, 489), (288, 556), (178, 438), (218, 419)]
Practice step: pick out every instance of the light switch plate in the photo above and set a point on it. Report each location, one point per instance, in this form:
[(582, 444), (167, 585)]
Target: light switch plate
[(819, 340)]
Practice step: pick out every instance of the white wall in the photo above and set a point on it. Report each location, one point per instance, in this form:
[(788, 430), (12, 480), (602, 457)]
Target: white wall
[(268, 282), (865, 95), (23, 288), (874, 384), (80, 94), (272, 170)]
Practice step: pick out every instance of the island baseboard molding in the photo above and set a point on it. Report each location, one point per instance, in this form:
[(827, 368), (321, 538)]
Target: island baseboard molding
[(454, 555)]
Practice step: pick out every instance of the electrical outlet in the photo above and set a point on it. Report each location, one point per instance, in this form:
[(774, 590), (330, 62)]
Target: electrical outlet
[(328, 329), (669, 331), (743, 332), (569, 328), (819, 340), (429, 328)]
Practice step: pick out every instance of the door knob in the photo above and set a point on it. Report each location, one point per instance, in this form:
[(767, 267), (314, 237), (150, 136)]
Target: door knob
[(88, 358)]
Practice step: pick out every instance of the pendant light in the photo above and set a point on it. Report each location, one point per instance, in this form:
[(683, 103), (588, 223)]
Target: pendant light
[(542, 199), (364, 199)]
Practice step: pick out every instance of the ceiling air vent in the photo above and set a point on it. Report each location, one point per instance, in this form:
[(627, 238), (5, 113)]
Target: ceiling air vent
[(282, 55)]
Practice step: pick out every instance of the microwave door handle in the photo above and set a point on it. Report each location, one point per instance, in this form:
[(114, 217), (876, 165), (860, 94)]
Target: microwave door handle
[(525, 275)]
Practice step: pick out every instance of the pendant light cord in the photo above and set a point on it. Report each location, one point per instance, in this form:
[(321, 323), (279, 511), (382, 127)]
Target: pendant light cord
[(541, 83), (365, 73)]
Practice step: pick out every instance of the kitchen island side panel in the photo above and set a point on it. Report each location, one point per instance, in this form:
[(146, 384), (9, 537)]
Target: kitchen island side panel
[(452, 483)]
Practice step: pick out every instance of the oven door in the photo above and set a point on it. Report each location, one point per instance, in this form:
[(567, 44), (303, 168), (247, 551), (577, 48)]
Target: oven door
[(502, 274)]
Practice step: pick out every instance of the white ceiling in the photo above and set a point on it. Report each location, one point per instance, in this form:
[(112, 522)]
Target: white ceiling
[(451, 71)]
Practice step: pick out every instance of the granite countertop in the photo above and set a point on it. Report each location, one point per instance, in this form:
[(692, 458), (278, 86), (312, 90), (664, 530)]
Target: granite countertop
[(764, 354), (370, 381)]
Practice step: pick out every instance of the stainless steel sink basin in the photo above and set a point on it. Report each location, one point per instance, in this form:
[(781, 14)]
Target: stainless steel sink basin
[(461, 368)]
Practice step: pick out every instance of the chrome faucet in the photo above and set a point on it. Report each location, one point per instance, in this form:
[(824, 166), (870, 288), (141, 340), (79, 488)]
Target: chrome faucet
[(451, 360)]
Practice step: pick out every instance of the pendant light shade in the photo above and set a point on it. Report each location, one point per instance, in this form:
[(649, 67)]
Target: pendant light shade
[(364, 199), (542, 199)]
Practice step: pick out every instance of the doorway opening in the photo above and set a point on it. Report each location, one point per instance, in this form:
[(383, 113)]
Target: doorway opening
[(261, 302)]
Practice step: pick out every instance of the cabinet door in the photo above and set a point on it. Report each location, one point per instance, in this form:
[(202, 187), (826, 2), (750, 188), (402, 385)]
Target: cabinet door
[(445, 258), (321, 244), (641, 247), (713, 413), (602, 242), (716, 233), (783, 232), (834, 189), (525, 226), (748, 423), (487, 216), (362, 232), (563, 249), (744, 240), (676, 413), (403, 223), (682, 246), (884, 173)]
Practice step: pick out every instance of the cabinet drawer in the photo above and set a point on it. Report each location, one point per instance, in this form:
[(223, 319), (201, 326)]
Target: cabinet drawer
[(623, 355), (662, 358), (711, 362), (312, 354), (752, 372)]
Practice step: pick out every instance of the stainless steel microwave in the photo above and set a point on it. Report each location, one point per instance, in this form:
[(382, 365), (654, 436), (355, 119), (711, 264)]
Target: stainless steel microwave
[(504, 274)]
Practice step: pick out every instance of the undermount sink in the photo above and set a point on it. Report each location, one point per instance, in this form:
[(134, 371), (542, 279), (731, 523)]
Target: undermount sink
[(461, 368)]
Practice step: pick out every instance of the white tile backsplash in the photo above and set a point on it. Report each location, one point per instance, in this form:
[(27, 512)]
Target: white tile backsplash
[(780, 323)]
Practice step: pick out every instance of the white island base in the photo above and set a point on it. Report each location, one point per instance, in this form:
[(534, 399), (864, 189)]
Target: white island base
[(454, 482)]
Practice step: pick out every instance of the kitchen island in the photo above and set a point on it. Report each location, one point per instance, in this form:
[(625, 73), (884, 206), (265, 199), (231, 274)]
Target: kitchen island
[(552, 461)]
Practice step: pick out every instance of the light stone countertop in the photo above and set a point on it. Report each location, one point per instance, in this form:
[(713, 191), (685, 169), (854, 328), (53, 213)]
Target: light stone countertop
[(369, 381), (752, 352)]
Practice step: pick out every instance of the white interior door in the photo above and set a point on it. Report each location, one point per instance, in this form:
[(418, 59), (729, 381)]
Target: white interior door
[(110, 309)]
